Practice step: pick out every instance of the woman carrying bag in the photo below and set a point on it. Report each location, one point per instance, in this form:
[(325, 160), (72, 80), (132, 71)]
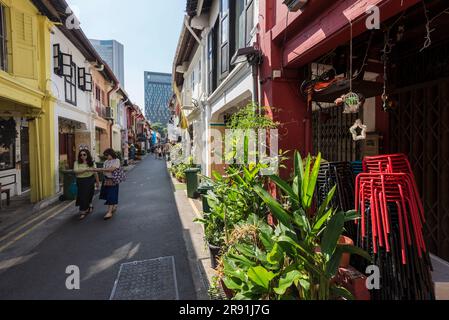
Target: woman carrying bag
[(113, 176), (85, 180)]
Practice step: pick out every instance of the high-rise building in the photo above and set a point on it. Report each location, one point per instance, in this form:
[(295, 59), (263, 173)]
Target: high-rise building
[(112, 52), (158, 92)]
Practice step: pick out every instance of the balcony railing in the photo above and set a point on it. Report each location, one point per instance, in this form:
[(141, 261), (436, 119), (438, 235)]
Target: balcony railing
[(102, 110)]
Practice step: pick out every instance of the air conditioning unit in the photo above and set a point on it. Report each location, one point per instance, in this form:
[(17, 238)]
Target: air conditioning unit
[(295, 5), (109, 113)]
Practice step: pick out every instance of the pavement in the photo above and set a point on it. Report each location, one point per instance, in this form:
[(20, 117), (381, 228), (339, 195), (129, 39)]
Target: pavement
[(198, 252), (148, 225)]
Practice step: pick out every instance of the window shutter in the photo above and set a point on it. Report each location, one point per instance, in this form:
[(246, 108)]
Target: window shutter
[(25, 39), (3, 39), (224, 38), (88, 85), (66, 65), (57, 59), (82, 78), (249, 13)]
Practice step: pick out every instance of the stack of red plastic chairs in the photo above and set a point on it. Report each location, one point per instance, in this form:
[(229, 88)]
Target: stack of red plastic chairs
[(391, 227)]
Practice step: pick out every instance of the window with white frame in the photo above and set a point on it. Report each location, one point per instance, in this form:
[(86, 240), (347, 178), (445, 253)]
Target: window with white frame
[(3, 39), (232, 31)]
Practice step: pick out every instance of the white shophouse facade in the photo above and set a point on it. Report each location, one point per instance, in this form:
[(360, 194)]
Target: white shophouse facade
[(74, 111), (217, 88)]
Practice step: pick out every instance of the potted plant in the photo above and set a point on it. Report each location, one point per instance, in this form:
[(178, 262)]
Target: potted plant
[(282, 262)]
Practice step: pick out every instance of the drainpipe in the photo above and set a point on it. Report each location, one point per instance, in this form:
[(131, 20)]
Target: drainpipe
[(255, 68), (114, 90), (39, 163)]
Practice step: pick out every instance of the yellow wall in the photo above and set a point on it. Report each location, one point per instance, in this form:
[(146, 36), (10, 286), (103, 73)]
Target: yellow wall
[(24, 89)]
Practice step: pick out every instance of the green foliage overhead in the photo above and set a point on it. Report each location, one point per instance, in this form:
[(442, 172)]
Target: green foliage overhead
[(250, 118)]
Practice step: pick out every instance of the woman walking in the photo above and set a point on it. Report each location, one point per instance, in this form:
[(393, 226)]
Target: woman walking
[(85, 180), (110, 190)]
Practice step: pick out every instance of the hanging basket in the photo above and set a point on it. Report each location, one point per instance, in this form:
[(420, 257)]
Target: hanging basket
[(352, 102)]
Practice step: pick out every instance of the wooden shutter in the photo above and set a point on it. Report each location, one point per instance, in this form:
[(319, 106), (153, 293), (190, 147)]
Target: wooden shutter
[(24, 45), (224, 39), (249, 19)]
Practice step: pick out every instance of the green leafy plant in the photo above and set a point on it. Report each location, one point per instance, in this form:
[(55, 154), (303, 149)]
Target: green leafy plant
[(214, 289), (232, 200), (245, 126), (297, 259), (249, 117)]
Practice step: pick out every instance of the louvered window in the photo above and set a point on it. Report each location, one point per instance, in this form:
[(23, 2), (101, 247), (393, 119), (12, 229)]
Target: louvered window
[(24, 34)]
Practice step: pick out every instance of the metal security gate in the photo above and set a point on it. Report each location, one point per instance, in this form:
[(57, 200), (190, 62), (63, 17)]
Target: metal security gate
[(331, 135), (420, 128)]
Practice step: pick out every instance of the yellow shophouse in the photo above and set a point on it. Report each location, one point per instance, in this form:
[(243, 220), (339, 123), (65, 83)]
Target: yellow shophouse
[(27, 162)]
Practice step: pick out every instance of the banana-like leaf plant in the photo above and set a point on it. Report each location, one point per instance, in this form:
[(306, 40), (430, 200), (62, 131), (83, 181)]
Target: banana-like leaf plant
[(300, 257)]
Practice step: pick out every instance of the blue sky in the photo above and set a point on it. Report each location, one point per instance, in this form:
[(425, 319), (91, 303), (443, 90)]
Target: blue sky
[(149, 30)]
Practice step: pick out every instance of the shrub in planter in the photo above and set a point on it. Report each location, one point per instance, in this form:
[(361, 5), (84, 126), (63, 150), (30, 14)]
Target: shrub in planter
[(262, 262)]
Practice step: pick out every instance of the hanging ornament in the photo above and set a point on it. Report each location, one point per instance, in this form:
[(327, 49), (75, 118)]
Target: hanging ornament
[(358, 125), (351, 100)]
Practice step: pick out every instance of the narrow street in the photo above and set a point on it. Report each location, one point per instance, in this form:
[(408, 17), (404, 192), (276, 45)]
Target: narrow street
[(147, 226), (274, 151)]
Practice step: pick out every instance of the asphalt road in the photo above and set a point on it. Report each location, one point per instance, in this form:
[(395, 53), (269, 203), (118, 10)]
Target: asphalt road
[(147, 226)]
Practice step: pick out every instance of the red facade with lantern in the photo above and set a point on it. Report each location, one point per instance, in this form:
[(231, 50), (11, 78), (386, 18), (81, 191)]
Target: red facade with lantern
[(400, 69)]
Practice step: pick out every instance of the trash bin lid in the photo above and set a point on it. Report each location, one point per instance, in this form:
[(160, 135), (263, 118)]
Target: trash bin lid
[(192, 170), (204, 188)]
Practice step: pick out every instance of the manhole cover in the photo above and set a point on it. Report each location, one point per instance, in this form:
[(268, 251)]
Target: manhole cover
[(147, 280)]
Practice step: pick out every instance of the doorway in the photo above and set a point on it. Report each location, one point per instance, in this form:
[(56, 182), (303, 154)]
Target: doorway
[(419, 128)]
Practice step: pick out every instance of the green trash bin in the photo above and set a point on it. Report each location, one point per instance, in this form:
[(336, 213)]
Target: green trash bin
[(70, 188), (192, 182), (203, 190)]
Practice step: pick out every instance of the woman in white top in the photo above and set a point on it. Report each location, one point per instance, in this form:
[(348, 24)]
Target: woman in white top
[(109, 190)]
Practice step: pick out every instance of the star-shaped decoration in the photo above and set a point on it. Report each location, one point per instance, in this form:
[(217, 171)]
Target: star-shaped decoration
[(358, 125)]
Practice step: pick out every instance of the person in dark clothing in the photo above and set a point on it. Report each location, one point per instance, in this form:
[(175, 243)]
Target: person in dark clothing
[(85, 180)]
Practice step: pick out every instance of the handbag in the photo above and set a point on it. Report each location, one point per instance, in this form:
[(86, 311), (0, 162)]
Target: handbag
[(118, 175)]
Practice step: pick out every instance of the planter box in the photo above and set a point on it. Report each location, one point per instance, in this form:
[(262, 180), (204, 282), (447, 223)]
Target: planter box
[(355, 282)]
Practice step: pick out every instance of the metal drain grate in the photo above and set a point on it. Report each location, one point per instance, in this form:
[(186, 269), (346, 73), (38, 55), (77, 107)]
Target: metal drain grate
[(147, 280)]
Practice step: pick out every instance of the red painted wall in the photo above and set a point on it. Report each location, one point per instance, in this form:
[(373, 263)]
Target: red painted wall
[(289, 42)]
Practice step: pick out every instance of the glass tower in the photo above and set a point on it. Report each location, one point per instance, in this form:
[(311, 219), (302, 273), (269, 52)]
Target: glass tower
[(112, 52), (158, 92)]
